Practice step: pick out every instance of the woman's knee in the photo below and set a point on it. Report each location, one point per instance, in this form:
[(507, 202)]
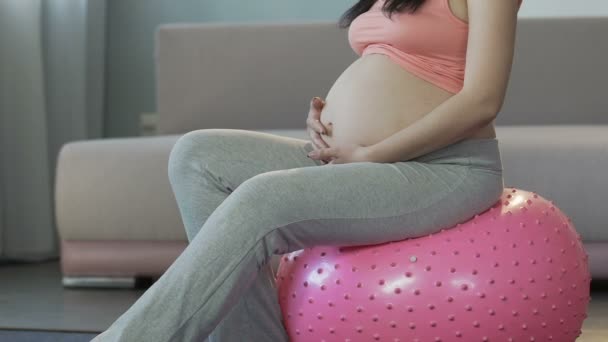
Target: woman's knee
[(259, 189), (192, 150), (270, 194)]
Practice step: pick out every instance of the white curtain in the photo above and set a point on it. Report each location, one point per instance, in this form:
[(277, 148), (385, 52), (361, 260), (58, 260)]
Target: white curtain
[(51, 91)]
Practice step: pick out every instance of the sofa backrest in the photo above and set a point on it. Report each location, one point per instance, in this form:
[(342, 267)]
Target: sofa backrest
[(263, 75)]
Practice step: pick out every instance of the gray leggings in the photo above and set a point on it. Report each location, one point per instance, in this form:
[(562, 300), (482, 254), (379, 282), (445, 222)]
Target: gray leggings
[(247, 195)]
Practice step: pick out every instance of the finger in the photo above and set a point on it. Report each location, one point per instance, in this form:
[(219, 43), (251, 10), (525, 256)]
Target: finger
[(317, 103), (315, 108), (327, 153), (315, 113), (315, 124), (317, 139), (320, 141), (320, 144), (319, 127), (314, 139)]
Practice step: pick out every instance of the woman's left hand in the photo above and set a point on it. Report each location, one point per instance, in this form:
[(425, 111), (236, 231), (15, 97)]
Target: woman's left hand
[(343, 153)]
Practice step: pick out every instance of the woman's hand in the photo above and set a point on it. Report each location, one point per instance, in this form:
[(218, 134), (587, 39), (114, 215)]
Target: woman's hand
[(343, 153), (314, 126)]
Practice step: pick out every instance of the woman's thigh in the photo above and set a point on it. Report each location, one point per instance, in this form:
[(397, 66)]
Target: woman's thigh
[(352, 204)]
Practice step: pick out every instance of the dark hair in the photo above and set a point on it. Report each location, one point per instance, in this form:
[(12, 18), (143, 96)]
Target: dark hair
[(390, 7)]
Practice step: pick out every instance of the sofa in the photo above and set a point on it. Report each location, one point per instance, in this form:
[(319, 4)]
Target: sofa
[(117, 217)]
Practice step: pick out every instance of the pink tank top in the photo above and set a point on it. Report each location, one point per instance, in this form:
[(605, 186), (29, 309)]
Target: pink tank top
[(430, 43)]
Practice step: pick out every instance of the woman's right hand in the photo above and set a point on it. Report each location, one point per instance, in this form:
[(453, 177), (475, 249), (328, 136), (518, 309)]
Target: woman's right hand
[(314, 126)]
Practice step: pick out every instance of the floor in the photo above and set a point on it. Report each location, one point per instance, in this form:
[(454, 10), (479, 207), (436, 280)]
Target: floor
[(33, 299), (43, 336)]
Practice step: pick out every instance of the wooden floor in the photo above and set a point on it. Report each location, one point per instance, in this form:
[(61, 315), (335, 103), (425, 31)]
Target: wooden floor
[(32, 298)]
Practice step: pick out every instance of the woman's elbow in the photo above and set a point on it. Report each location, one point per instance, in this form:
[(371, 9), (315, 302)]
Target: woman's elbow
[(486, 104)]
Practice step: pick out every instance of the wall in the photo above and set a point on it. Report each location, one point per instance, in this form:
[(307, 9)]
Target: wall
[(131, 25)]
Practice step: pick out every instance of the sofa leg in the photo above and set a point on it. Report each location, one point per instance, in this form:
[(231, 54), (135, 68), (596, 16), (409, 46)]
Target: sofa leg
[(104, 282)]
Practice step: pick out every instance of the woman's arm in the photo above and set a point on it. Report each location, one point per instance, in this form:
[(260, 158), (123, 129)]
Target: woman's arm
[(490, 48)]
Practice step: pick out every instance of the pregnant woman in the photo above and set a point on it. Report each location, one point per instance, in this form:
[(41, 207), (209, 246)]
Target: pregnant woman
[(403, 146)]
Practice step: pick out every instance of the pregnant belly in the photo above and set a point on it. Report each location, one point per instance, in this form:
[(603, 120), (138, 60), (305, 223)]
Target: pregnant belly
[(374, 98)]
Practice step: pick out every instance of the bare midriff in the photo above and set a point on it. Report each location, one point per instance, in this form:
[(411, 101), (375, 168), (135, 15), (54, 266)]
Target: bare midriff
[(375, 98)]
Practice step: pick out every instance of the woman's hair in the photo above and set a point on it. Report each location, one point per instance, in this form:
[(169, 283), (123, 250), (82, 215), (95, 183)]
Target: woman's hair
[(390, 7)]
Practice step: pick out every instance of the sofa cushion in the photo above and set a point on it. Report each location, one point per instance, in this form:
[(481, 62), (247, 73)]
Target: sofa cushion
[(116, 189), (566, 164)]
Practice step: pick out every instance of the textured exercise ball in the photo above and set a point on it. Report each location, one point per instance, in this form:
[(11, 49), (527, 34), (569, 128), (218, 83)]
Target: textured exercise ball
[(515, 272)]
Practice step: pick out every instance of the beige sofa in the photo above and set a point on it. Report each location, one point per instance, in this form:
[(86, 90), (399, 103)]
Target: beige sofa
[(115, 211)]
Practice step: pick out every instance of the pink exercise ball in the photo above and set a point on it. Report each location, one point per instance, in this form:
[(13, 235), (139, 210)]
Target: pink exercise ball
[(515, 272)]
